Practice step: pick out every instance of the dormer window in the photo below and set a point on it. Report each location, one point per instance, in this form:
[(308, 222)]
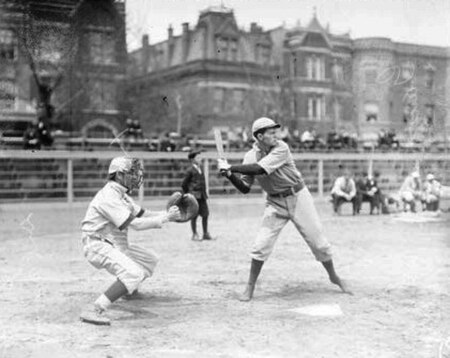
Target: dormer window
[(315, 68), (7, 47), (226, 48)]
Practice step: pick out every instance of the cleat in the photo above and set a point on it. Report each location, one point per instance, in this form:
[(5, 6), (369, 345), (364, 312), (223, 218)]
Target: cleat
[(207, 236), (195, 237), (247, 295), (95, 315)]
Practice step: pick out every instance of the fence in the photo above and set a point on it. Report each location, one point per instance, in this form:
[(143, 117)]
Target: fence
[(71, 176)]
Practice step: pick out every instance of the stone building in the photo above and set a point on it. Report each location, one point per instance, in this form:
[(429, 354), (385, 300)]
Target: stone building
[(218, 75), (72, 50)]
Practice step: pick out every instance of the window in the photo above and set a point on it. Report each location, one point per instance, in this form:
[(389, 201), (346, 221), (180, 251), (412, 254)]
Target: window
[(102, 48), (262, 54), (238, 100), (429, 114), (429, 79), (407, 112), (315, 68), (338, 72), (337, 110), (7, 47), (234, 50), (222, 48), (371, 112), (316, 108), (219, 94), (103, 96), (7, 95)]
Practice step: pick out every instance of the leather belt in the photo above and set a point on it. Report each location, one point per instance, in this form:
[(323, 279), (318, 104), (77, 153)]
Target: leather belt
[(291, 191), (96, 237)]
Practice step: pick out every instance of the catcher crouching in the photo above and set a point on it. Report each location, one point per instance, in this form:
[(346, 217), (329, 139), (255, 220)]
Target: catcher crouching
[(105, 240)]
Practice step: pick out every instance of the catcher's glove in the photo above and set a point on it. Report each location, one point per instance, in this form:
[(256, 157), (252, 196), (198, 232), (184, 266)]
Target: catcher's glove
[(187, 204)]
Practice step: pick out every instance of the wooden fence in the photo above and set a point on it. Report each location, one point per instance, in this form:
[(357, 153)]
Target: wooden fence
[(71, 176)]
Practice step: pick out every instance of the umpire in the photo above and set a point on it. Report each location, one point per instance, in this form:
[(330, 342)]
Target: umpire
[(194, 183), (288, 199)]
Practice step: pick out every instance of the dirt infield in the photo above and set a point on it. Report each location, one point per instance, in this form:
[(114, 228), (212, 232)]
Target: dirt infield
[(398, 270)]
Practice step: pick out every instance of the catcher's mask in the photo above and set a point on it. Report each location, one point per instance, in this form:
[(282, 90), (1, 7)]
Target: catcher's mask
[(132, 172)]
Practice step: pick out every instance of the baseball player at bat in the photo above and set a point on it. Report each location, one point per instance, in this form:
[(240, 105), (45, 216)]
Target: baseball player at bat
[(288, 199), (104, 235)]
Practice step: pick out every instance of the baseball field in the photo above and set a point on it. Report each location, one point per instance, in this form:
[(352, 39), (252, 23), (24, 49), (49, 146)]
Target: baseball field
[(398, 268)]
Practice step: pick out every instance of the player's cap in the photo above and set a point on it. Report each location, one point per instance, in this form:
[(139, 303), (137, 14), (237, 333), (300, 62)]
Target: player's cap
[(193, 153), (120, 164), (263, 123), (415, 174), (430, 177)]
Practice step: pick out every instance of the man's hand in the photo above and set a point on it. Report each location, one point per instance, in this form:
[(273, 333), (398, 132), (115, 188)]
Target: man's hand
[(173, 213), (224, 167)]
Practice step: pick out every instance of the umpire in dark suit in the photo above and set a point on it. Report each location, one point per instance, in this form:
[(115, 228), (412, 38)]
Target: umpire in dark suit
[(194, 183)]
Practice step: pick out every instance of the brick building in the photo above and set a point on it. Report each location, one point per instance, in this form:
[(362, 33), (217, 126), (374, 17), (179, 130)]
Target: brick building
[(77, 49), (218, 75)]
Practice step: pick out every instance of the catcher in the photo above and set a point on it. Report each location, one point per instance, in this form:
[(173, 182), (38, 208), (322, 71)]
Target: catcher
[(104, 235), (288, 199)]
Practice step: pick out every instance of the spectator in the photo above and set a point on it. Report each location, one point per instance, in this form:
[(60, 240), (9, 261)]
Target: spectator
[(31, 138), (410, 191), (373, 193), (137, 130), (285, 135), (361, 190), (308, 139), (166, 144), (431, 193), (130, 128), (344, 190)]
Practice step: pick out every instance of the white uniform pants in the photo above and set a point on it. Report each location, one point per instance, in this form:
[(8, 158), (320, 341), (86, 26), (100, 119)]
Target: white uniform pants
[(131, 264), (298, 208)]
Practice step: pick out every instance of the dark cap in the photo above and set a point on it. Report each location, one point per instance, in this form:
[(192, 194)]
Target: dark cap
[(193, 154)]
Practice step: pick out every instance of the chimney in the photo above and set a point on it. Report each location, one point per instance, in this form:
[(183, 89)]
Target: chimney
[(186, 40), (170, 31), (145, 52), (253, 27)]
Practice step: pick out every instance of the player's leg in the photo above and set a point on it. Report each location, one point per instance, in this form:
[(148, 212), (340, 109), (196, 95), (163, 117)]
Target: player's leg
[(304, 215), (272, 223), (129, 274)]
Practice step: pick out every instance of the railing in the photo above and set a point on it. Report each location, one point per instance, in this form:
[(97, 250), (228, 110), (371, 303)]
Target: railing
[(77, 175)]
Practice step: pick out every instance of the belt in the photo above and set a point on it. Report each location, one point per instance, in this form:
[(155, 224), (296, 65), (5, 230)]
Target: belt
[(291, 191), (96, 237)]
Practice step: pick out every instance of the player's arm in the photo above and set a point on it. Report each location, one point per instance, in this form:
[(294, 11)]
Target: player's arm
[(154, 222)]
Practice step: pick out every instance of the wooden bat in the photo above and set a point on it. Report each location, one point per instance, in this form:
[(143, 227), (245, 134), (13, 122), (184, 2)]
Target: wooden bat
[(219, 143)]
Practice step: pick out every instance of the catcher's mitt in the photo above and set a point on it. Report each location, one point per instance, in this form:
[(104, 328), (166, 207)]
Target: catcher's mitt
[(187, 204)]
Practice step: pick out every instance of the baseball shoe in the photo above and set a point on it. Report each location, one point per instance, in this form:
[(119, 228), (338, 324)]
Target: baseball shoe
[(195, 237), (342, 285), (247, 295), (207, 236), (135, 295), (95, 315)]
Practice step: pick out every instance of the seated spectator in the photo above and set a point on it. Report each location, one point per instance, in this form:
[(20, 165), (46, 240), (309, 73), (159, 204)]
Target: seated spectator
[(44, 135), (308, 139), (31, 138), (130, 129), (410, 191), (344, 190), (373, 193), (431, 193), (361, 190), (137, 130)]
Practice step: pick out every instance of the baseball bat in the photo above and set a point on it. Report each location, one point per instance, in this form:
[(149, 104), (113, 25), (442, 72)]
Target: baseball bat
[(219, 143)]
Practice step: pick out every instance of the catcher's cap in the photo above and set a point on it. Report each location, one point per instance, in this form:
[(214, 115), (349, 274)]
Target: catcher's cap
[(430, 177), (120, 164), (415, 174), (192, 154), (263, 123)]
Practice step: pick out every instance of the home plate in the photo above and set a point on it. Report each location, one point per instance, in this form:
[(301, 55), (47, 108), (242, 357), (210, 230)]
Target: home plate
[(319, 310)]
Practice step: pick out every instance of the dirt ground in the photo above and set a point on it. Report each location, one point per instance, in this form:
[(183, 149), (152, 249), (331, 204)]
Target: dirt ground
[(398, 270)]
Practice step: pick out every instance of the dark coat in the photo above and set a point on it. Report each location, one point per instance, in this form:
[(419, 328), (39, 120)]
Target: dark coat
[(194, 183)]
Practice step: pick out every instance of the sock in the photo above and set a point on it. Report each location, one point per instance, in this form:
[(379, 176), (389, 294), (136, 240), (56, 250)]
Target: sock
[(255, 269), (115, 291)]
